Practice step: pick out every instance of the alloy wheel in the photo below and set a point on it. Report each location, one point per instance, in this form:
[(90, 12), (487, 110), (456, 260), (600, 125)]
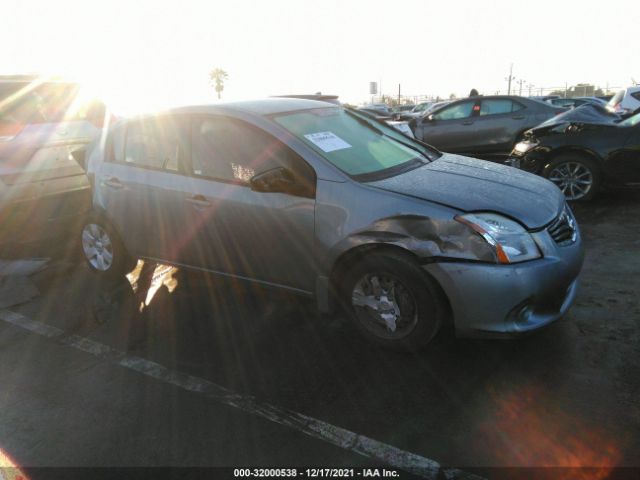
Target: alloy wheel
[(573, 178), (384, 306), (97, 247)]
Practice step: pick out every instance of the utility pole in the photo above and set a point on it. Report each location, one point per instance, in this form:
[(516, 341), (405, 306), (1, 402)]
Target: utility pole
[(531, 85), (509, 78), (398, 94), (520, 82), (566, 89)]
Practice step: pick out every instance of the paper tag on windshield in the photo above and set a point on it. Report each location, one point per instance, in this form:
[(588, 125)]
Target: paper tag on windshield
[(327, 141)]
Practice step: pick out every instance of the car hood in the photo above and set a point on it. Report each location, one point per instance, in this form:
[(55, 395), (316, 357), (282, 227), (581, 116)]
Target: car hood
[(586, 114), (474, 185), (561, 128)]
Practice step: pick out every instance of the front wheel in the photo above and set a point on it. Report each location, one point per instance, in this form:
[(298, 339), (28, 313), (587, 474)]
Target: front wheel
[(576, 176), (393, 302), (103, 250)]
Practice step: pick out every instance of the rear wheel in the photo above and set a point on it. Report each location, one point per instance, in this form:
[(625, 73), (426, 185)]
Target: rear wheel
[(576, 176), (393, 302), (103, 250)]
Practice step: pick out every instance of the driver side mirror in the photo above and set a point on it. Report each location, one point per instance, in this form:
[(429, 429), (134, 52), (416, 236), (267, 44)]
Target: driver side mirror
[(429, 118)]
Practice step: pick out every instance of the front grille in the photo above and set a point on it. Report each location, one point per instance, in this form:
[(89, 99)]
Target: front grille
[(563, 229)]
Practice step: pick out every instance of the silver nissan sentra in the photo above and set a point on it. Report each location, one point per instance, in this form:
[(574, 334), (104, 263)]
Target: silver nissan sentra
[(326, 202)]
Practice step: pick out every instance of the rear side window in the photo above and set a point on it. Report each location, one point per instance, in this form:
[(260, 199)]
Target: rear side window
[(155, 143), (461, 110), (116, 145), (636, 95), (498, 106)]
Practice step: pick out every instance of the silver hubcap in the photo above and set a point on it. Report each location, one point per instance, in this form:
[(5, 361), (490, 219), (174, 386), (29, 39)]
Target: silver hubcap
[(573, 178), (384, 306), (97, 247)]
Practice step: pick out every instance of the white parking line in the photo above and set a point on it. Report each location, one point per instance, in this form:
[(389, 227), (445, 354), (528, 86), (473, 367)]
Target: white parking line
[(346, 439)]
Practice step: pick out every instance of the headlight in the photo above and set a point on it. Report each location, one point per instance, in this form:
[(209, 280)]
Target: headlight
[(524, 147), (510, 241)]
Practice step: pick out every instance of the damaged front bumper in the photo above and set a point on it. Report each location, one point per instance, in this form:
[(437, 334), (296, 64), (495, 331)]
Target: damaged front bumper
[(489, 300)]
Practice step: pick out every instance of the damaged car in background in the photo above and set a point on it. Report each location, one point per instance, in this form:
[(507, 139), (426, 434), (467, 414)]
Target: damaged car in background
[(328, 203), (583, 153), (45, 127)]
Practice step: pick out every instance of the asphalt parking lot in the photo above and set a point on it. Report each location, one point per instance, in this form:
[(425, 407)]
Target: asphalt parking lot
[(566, 396)]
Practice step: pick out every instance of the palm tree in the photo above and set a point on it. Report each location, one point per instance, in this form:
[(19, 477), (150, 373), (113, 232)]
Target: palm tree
[(218, 76)]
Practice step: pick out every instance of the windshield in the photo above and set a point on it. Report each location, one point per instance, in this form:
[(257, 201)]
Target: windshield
[(631, 121), (353, 144)]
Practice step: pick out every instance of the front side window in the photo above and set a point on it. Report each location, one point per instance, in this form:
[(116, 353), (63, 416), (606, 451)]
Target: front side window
[(350, 142), (455, 112), (498, 107), (154, 143), (234, 151)]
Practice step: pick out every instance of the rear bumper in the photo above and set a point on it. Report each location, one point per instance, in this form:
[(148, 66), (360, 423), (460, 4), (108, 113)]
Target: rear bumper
[(510, 300)]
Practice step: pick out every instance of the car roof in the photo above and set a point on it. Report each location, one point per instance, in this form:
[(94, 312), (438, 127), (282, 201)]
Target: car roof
[(262, 107)]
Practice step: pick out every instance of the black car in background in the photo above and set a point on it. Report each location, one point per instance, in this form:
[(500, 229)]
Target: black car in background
[(485, 127), (581, 157)]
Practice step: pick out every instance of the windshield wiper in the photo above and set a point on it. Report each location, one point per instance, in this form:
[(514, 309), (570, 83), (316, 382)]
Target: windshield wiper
[(389, 172), (370, 126)]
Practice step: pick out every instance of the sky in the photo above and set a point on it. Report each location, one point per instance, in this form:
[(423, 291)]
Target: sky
[(144, 55)]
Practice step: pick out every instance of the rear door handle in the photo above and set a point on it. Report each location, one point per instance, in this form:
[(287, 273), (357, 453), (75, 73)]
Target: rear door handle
[(198, 200), (518, 117), (113, 182), (467, 123)]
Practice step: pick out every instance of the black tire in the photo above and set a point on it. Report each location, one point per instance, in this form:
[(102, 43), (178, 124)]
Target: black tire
[(121, 262), (568, 162), (418, 299)]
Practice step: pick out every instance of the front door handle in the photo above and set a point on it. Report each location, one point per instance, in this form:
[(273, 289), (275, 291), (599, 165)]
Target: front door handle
[(199, 201), (113, 182), (467, 123), (518, 117)]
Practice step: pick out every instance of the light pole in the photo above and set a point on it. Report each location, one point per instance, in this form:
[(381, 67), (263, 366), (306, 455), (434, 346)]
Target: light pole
[(509, 78)]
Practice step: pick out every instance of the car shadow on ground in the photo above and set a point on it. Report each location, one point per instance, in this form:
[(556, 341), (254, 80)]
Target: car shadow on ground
[(275, 346)]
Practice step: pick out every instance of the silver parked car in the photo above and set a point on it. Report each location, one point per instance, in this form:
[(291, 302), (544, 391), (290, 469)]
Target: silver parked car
[(328, 203)]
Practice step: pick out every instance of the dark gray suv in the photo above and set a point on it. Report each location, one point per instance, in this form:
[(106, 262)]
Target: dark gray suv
[(328, 203)]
